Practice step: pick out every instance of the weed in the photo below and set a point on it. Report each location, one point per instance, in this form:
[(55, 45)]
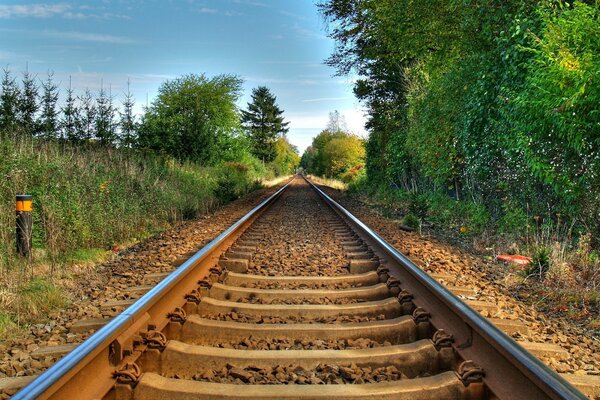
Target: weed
[(540, 262), (411, 221)]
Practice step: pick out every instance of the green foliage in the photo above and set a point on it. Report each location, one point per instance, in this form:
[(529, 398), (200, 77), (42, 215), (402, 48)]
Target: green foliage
[(411, 221), (233, 181), (496, 102), (193, 118), (514, 221), (286, 159), (264, 124), (89, 198), (335, 153), (540, 262)]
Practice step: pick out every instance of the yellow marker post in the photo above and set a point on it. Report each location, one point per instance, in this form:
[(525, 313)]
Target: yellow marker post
[(24, 208)]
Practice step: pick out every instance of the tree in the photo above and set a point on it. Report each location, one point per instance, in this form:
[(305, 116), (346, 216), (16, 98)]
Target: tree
[(194, 117), (48, 121), (264, 123), (28, 103), (104, 123), (127, 122), (343, 153), (337, 122), (70, 121), (286, 157), (87, 116), (9, 102)]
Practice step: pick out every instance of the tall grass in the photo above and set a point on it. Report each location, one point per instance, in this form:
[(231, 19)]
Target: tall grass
[(88, 198)]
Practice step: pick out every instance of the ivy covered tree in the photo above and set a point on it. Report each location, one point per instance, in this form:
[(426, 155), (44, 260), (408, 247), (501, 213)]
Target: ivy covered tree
[(48, 121), (264, 123)]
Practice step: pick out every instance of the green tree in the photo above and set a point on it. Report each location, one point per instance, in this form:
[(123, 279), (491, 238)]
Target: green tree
[(48, 120), (87, 107), (264, 123), (104, 123), (9, 102), (194, 117), (70, 121), (28, 103), (286, 157), (127, 123), (341, 154)]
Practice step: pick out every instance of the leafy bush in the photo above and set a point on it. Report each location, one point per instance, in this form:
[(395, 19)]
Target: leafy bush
[(411, 221)]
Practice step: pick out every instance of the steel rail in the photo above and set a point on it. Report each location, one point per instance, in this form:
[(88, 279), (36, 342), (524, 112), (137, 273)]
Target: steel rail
[(511, 372), (49, 382)]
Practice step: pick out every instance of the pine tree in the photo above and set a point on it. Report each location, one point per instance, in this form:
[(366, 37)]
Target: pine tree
[(48, 121), (85, 131), (264, 123), (70, 121), (9, 102), (105, 118), (28, 103), (128, 123)]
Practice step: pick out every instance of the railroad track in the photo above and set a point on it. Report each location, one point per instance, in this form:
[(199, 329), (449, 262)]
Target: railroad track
[(298, 300)]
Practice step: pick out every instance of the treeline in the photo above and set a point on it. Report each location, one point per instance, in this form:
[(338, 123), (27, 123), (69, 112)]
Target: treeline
[(100, 175), (494, 102), (335, 152), (193, 119)]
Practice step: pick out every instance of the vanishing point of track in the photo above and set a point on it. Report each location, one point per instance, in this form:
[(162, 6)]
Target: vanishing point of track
[(299, 300)]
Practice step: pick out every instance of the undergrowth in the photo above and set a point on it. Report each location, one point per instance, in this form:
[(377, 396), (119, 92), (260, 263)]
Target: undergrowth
[(88, 200), (565, 268)]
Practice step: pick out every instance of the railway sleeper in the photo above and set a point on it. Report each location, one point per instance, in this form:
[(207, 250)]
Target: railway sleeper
[(412, 360), (390, 308), (367, 279), (447, 385), (202, 331), (234, 293)]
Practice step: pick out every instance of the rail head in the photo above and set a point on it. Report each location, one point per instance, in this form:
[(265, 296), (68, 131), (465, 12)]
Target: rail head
[(45, 385), (527, 370)]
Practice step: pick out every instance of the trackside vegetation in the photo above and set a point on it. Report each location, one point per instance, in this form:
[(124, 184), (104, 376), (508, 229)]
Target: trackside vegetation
[(484, 119), (102, 177)]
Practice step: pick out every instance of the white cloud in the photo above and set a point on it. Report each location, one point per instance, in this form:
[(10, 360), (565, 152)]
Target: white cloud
[(33, 10), (251, 3), (76, 36), (206, 10), (66, 11)]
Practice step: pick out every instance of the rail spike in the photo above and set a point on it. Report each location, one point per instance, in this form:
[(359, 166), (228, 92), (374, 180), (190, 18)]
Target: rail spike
[(405, 296), (179, 315), (194, 296), (205, 283), (441, 339), (128, 374), (155, 340), (420, 315), (470, 372)]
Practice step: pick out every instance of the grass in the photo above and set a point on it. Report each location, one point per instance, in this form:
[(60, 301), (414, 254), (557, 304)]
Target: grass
[(89, 200), (565, 272), (329, 182)]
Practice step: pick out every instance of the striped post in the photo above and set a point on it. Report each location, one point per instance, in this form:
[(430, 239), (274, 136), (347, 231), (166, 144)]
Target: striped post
[(24, 207)]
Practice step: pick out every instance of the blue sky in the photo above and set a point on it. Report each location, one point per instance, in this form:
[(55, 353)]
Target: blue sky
[(277, 43)]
